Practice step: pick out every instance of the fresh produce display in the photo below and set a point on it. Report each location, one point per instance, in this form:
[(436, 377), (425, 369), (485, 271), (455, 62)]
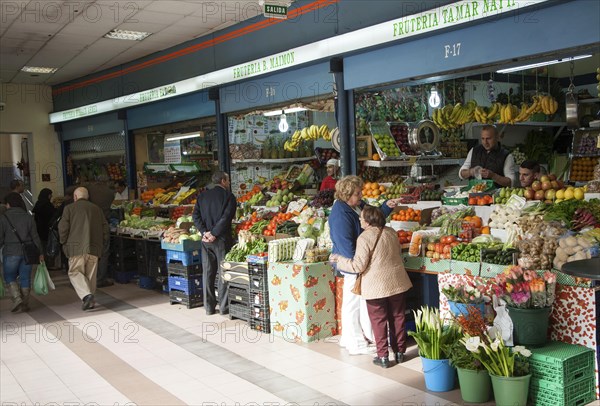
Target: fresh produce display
[(451, 144), (588, 145), (373, 189), (396, 190), (116, 171), (271, 228), (176, 235), (499, 257), (447, 211), (280, 198), (288, 227), (409, 214), (480, 199), (400, 133), (145, 223), (431, 195), (323, 198), (469, 252), (442, 248), (404, 237), (248, 244), (503, 217), (518, 156), (503, 194), (453, 116), (574, 214), (582, 169), (572, 248), (306, 134), (537, 252), (386, 146), (184, 196), (325, 154)]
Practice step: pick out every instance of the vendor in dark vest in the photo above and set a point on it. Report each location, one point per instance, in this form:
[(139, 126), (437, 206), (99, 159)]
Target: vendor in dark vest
[(490, 160)]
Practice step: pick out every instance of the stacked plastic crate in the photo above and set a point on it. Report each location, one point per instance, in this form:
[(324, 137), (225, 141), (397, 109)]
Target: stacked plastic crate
[(239, 300), (259, 293), (562, 374), (184, 273), (123, 259)]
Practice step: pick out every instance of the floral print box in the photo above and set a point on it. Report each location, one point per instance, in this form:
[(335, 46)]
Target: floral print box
[(302, 301)]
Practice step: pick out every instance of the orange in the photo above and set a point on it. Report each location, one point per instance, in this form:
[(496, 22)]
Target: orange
[(376, 157), (374, 186), (382, 188)]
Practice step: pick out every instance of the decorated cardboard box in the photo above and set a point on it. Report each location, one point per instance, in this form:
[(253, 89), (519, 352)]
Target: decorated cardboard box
[(302, 300)]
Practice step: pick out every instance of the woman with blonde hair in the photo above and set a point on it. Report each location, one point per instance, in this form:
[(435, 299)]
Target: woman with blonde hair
[(384, 282), (345, 227)]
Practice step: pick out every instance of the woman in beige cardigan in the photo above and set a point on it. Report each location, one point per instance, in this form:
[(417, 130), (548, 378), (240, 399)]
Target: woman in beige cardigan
[(384, 282)]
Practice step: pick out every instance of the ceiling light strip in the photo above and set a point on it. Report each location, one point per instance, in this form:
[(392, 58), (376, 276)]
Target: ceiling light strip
[(540, 64)]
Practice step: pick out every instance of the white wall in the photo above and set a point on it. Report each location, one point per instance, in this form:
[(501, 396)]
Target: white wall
[(26, 112)]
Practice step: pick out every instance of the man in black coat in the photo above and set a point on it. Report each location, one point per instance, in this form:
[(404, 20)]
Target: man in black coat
[(213, 214)]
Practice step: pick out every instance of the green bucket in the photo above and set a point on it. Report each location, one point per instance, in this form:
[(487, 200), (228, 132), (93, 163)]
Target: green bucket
[(530, 326), (475, 386), (510, 391)]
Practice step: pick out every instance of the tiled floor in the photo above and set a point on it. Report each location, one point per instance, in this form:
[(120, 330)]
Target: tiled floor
[(135, 348)]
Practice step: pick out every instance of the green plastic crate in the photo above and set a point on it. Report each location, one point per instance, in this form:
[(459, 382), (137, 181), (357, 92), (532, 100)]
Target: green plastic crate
[(562, 363), (544, 393)]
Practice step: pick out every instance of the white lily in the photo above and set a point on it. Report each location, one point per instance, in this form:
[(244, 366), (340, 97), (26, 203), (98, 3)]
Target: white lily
[(472, 344)]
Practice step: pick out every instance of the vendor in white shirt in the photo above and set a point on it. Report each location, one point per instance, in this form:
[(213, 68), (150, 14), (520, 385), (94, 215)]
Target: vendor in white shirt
[(122, 192), (490, 160)]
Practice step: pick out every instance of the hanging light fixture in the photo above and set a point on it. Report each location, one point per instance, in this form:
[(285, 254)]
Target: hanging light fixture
[(283, 124), (434, 98)]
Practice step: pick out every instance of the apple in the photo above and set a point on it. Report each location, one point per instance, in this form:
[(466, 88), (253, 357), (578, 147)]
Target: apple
[(546, 185), (539, 195), (529, 193), (552, 176), (554, 184), (544, 179), (550, 194), (536, 185)]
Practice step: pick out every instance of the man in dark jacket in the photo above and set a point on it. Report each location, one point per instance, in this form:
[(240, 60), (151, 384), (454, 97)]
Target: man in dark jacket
[(213, 214), (490, 160), (83, 233)]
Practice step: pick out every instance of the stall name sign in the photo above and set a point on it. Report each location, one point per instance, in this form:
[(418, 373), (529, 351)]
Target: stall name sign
[(451, 14), (428, 21), (264, 65)]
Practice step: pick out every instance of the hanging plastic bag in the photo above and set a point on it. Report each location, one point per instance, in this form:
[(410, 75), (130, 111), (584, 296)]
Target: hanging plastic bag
[(40, 283)]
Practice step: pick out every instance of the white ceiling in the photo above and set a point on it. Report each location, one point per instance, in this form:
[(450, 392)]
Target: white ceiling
[(68, 34)]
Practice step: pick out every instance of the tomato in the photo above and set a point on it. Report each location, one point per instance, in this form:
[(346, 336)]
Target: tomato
[(447, 249), (438, 248), (450, 239), (454, 243)]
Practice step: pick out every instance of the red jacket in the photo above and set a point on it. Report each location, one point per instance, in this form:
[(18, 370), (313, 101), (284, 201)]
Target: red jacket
[(328, 183)]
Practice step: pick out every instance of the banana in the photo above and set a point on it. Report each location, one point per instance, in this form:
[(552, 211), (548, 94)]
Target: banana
[(304, 134), (554, 106), (493, 111), (456, 111)]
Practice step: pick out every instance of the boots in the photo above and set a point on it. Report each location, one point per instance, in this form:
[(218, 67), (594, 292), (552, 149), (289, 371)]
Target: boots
[(15, 294), (25, 298)]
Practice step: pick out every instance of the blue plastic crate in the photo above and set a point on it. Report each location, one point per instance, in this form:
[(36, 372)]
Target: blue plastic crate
[(124, 277), (191, 285), (146, 282), (186, 258)]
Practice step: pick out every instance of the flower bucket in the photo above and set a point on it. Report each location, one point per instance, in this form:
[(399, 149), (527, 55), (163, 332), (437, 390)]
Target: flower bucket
[(510, 391), (475, 386), (461, 308), (439, 374), (530, 326)]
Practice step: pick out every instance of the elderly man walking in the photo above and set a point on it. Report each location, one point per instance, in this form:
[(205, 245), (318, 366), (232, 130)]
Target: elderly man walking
[(83, 233)]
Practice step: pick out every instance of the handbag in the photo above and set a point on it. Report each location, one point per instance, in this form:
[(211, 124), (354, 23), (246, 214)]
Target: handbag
[(53, 245), (31, 253), (356, 289)]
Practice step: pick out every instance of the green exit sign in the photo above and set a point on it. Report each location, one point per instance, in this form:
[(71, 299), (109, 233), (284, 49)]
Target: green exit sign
[(275, 11)]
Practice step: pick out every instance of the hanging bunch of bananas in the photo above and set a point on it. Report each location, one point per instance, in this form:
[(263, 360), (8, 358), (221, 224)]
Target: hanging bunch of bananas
[(546, 104), (487, 115), (449, 116), (307, 134)]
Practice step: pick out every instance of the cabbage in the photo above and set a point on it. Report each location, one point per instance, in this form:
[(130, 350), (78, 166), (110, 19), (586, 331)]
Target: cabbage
[(183, 237), (306, 230)]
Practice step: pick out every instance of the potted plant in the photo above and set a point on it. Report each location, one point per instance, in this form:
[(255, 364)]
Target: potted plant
[(508, 367), (464, 294), (529, 297), (435, 341), (473, 378)]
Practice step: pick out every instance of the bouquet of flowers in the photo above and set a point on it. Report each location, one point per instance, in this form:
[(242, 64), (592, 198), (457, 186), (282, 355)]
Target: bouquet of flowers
[(434, 339), (466, 291), (525, 289), (496, 357)]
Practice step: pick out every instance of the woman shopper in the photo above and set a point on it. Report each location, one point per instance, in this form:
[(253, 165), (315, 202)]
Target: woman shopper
[(17, 218), (43, 211), (384, 282)]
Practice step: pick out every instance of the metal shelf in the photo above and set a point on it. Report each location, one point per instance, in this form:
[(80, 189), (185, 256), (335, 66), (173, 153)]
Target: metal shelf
[(594, 100), (436, 162), (271, 161)]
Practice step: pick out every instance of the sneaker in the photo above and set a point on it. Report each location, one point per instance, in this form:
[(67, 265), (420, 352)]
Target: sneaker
[(399, 357), (383, 362), (363, 351), (88, 302)]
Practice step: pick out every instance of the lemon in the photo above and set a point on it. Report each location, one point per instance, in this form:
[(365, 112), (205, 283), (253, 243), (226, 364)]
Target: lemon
[(560, 194), (578, 193), (571, 188), (569, 194)]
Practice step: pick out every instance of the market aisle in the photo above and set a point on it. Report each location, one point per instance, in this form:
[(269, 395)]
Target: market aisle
[(135, 347)]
